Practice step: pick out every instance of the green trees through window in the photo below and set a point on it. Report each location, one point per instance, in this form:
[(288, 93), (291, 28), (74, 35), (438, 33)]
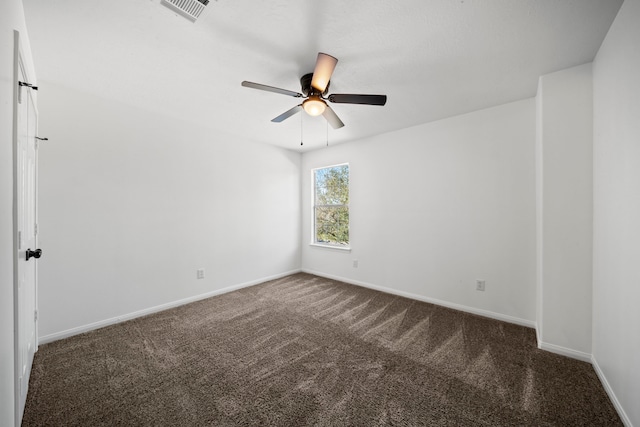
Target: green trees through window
[(331, 205)]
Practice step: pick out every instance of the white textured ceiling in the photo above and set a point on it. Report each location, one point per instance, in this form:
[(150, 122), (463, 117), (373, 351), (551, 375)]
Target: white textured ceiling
[(433, 59)]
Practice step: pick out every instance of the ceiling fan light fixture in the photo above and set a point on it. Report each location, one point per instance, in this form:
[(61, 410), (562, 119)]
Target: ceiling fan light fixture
[(314, 106)]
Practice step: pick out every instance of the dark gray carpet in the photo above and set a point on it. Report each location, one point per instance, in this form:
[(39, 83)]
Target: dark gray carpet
[(304, 350)]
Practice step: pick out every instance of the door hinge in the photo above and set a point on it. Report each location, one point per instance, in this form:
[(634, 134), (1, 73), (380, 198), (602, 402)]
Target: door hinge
[(29, 85), (19, 239), (35, 229), (35, 315)]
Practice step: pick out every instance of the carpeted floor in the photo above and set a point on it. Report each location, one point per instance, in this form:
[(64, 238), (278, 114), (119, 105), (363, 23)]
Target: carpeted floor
[(304, 350)]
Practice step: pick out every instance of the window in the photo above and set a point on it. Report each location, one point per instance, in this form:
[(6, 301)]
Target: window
[(331, 206)]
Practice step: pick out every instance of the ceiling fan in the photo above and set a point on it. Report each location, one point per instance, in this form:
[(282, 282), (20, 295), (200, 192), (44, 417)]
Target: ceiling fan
[(315, 87)]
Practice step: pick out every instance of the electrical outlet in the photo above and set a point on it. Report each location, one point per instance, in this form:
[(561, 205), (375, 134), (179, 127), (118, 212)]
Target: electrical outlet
[(200, 273), (355, 263), (480, 285)]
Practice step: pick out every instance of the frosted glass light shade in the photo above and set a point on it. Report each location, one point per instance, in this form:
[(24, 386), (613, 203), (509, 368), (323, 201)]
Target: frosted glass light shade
[(314, 106)]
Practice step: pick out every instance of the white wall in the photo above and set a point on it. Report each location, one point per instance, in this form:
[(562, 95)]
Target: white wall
[(565, 214), (132, 204), (11, 18), (616, 231), (437, 206)]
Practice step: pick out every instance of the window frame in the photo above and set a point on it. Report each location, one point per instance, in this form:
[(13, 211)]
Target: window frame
[(314, 241)]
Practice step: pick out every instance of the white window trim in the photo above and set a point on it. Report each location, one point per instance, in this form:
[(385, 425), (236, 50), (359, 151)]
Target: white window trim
[(313, 211), (330, 247)]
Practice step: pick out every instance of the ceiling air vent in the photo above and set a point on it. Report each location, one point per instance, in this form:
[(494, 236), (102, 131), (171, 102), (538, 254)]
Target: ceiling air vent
[(190, 9)]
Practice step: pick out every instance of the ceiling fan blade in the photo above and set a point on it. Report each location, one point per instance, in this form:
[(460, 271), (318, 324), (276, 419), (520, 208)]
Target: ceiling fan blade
[(347, 98), (332, 118), (287, 114), (271, 89), (325, 64)]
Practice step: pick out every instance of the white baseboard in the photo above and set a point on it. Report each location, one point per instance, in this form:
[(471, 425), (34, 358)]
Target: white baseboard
[(563, 351), (102, 323), (472, 310), (612, 396)]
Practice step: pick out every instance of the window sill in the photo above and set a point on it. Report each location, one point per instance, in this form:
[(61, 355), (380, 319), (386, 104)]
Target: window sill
[(332, 247)]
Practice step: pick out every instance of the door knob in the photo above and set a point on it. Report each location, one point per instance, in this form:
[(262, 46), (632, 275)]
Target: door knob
[(34, 254)]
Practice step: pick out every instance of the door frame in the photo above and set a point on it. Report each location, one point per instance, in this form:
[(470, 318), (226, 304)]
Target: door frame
[(19, 66)]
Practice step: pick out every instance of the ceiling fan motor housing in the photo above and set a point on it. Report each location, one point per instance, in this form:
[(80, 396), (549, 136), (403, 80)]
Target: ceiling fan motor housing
[(305, 83)]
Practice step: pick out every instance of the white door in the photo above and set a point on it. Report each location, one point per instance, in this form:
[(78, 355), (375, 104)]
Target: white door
[(26, 241)]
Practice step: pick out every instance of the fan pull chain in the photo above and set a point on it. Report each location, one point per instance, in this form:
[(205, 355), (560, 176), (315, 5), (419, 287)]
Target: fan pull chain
[(327, 133), (301, 130)]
